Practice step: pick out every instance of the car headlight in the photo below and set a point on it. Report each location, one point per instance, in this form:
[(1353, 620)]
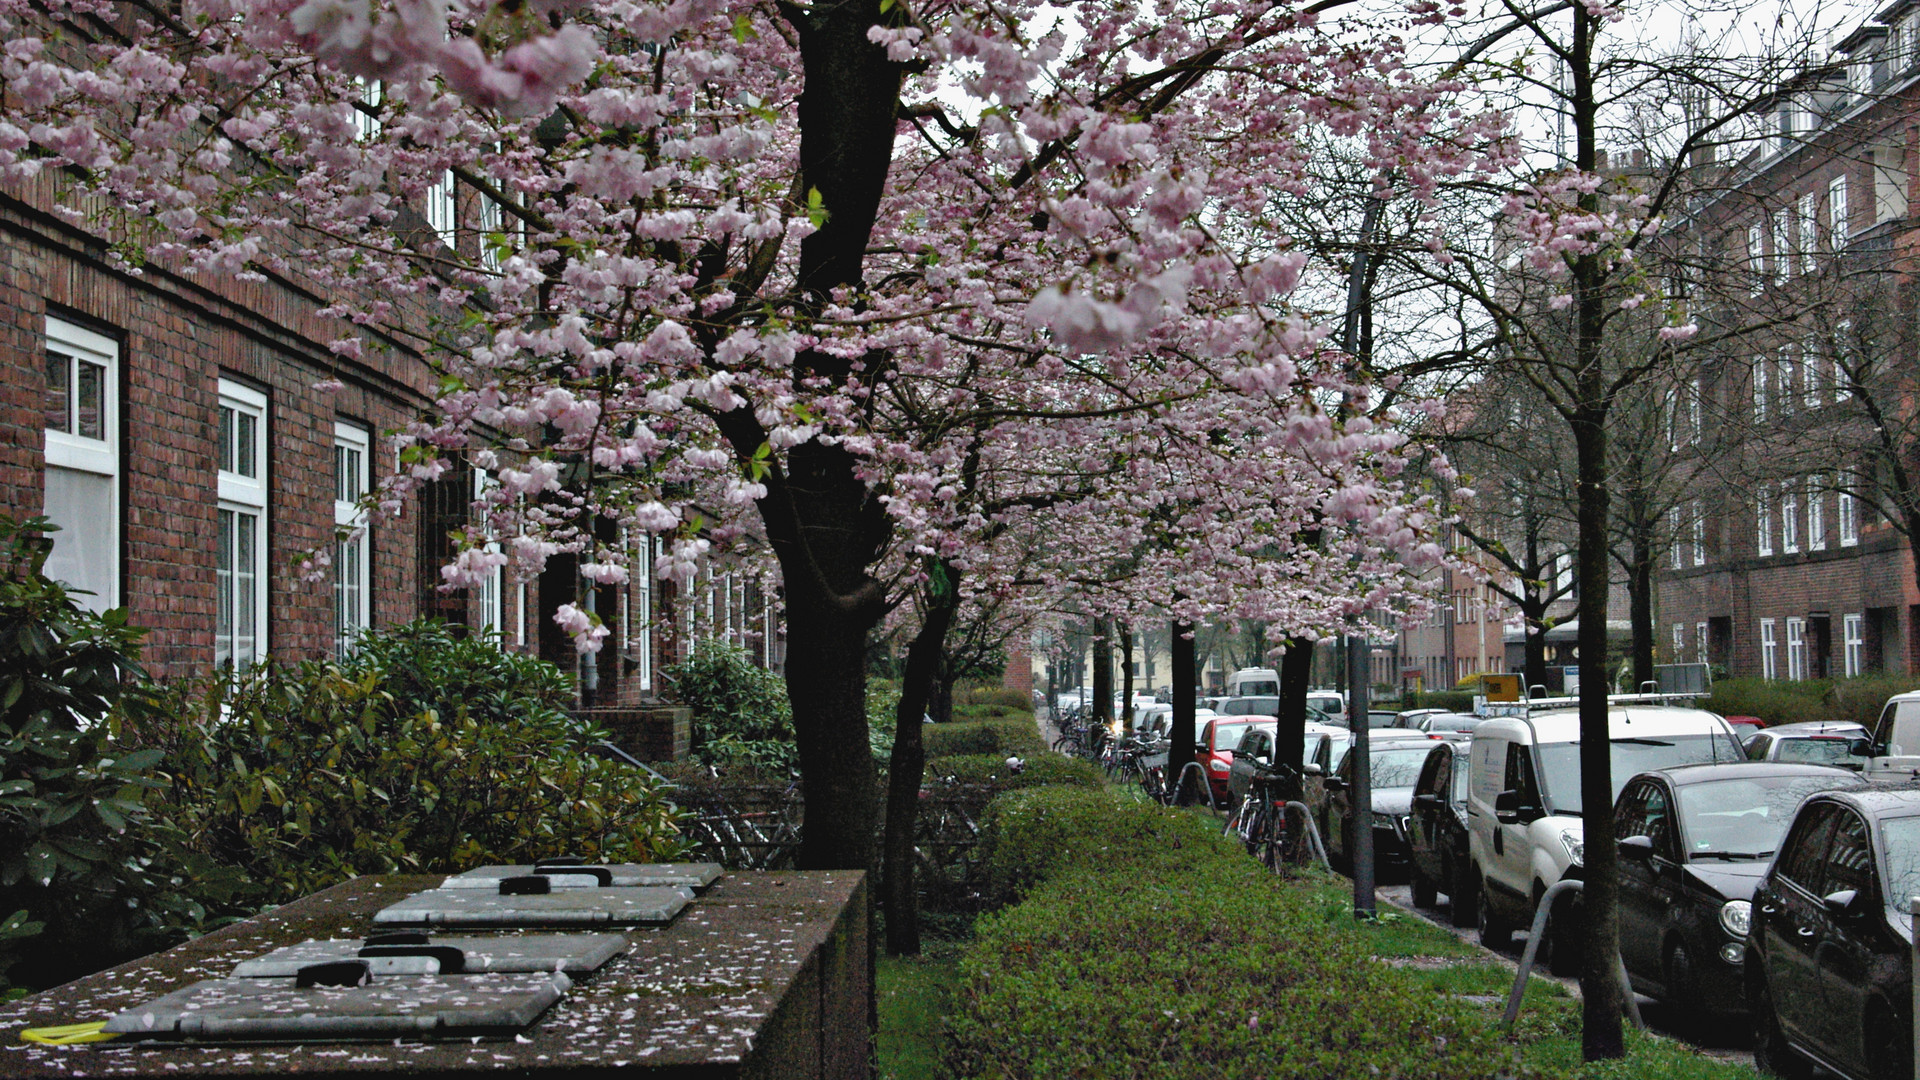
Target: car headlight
[(1575, 842), (1736, 917), (1219, 766)]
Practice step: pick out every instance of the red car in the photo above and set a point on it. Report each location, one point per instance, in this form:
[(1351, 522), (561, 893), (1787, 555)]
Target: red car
[(1213, 748)]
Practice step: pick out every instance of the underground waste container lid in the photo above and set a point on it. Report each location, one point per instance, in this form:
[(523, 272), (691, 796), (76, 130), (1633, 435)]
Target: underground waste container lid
[(593, 875), (531, 901), (412, 953), (374, 1009)]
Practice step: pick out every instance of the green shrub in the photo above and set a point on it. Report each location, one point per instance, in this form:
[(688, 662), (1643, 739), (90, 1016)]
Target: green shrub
[(1009, 701), (1200, 963), (990, 771), (423, 751), (84, 881), (741, 715), (1781, 701), (1450, 700), (1002, 737)]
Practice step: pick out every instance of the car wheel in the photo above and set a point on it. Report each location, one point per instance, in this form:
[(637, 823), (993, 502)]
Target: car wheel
[(1889, 1041), (1494, 931), (1771, 1054), (1683, 1005), (1460, 897), (1424, 892)]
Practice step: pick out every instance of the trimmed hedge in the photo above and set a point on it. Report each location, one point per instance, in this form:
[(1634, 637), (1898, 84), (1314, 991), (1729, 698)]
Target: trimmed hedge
[(1779, 701), (1200, 963), (1002, 737), (990, 770)]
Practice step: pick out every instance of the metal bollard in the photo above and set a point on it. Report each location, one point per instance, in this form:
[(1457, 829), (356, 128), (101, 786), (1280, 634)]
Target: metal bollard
[(1204, 786), (1541, 914), (1317, 846)]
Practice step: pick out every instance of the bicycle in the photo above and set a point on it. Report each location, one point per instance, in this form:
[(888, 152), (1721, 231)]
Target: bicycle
[(1262, 821)]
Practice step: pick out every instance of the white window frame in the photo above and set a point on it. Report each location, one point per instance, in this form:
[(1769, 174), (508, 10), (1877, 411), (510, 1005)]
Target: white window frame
[(1760, 388), (1764, 525), (491, 594), (641, 601), (1837, 223), (1783, 383), (1809, 226), (1847, 515), (1853, 631), (439, 204), (1889, 182), (1676, 546), (242, 496), (1756, 259), (1842, 334), (353, 547), (1696, 396), (1816, 515), (1769, 668), (1700, 642), (95, 457), (1699, 534), (1679, 643), (1782, 246), (1789, 519), (1796, 649)]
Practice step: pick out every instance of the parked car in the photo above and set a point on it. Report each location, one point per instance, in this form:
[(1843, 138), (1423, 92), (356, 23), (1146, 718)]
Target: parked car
[(1524, 800), (1449, 725), (1253, 681), (1819, 742), (1258, 743), (1437, 831), (1326, 757), (1381, 718), (1396, 765), (1829, 977), (1895, 749), (1410, 718), (1694, 841), (1332, 703), (1261, 705), (1744, 726)]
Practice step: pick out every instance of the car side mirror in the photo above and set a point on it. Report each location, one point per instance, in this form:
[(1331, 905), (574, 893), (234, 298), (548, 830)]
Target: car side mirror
[(1860, 747), (1427, 800), (1843, 904), (1312, 768), (1507, 809), (1334, 783), (1636, 847)]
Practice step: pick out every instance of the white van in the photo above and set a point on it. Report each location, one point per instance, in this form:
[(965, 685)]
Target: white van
[(1895, 747), (1254, 682), (1524, 802)]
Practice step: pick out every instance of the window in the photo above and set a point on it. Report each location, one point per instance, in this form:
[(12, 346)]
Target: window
[(1816, 515), (1677, 546), (1756, 259), (1837, 213), (1808, 228), (1679, 643), (491, 594), (1696, 395), (373, 94), (1782, 251), (1768, 670), (1700, 642), (1889, 182), (83, 462), (1789, 519), (1812, 383), (1842, 365), (1853, 632), (1759, 388), (240, 566), (1764, 540), (1796, 649), (352, 590), (438, 206), (640, 606), (1847, 513), (1783, 382), (1699, 534)]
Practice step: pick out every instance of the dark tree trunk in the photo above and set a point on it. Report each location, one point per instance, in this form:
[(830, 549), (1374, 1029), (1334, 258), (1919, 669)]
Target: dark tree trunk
[(1602, 1035), (1126, 675), (1185, 691), (941, 696), (1534, 644), (909, 761), (1290, 731), (1640, 600), (1103, 671)]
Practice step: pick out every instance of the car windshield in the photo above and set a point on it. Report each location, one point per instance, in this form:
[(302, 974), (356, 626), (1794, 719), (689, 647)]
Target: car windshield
[(1337, 753), (1744, 817), (1820, 750), (1560, 762), (1398, 766), (1454, 722), (1252, 706), (1900, 839)]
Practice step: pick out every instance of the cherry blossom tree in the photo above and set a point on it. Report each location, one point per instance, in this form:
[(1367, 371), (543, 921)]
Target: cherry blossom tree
[(718, 262)]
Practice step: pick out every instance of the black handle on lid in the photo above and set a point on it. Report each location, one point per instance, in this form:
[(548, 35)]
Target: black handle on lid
[(334, 973), (525, 885), (599, 874), (397, 937), (452, 960)]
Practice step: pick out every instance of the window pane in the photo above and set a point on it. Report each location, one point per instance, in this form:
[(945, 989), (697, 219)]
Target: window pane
[(226, 439), (59, 372), (245, 453), (244, 585), (90, 385), (83, 551), (223, 589)]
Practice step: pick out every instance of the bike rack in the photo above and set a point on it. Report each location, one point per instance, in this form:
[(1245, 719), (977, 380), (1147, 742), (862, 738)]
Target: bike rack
[(1317, 845), (1207, 788), (1541, 913)]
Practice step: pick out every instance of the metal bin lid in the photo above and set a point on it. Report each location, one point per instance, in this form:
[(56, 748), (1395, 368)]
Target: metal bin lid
[(697, 876), (539, 906), (373, 1010), (414, 953)]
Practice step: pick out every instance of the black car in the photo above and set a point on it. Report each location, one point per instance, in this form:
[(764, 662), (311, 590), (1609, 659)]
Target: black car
[(1437, 832), (1396, 764), (1829, 974), (1694, 841)]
